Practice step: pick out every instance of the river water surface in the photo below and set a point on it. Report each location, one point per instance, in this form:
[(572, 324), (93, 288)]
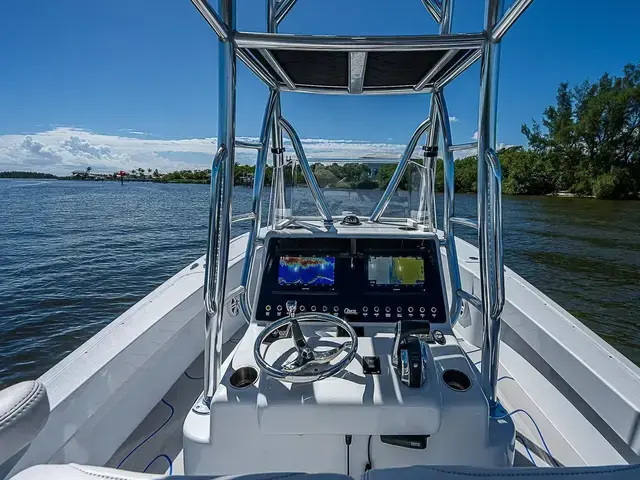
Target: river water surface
[(75, 255)]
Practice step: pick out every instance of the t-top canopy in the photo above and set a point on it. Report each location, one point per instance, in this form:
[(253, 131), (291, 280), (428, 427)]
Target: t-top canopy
[(342, 65)]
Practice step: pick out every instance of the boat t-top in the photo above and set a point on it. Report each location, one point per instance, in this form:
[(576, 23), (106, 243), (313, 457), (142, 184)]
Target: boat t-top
[(333, 342)]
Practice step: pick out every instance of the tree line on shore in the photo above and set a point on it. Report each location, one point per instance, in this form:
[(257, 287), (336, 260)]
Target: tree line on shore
[(588, 144)]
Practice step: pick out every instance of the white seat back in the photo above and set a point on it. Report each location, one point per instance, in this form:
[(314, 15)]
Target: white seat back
[(24, 410)]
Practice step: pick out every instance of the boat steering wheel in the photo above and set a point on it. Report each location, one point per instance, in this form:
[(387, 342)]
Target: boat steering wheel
[(310, 365)]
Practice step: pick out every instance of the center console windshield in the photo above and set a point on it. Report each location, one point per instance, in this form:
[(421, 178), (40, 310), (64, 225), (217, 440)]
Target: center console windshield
[(362, 279)]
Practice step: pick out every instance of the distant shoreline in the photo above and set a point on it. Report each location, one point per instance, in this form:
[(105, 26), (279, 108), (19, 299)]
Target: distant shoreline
[(49, 176)]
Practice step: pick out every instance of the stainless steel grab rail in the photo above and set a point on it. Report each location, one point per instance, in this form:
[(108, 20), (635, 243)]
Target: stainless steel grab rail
[(209, 301), (217, 252), (495, 196), (469, 297)]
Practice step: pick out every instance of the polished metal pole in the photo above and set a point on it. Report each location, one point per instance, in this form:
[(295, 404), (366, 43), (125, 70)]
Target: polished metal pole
[(256, 204), (516, 9), (427, 201), (337, 43), (486, 141), (212, 19), (449, 207), (277, 204), (220, 212)]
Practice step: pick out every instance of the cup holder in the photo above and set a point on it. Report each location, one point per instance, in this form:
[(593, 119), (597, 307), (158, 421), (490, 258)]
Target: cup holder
[(456, 380), (243, 377)]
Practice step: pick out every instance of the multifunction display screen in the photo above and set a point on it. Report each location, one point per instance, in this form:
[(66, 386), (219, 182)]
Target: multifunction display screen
[(306, 272), (366, 279), (386, 272)]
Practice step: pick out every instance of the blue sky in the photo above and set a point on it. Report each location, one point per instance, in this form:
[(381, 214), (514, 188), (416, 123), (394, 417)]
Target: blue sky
[(126, 83)]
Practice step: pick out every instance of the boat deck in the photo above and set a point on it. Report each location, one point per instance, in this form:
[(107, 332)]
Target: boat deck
[(157, 440)]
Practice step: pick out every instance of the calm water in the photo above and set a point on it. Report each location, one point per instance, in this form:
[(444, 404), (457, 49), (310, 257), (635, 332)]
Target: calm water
[(75, 255)]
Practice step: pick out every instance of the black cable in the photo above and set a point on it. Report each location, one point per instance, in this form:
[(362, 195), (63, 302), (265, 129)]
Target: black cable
[(347, 441), (369, 464)]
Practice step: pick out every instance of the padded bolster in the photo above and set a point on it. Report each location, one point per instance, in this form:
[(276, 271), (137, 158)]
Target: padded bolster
[(24, 410), (614, 472)]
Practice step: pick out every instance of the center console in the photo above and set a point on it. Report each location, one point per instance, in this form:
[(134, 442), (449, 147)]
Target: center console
[(399, 400), (360, 279)]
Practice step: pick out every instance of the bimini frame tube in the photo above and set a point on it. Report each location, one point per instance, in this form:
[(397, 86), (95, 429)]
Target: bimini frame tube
[(489, 259), (212, 19), (220, 213), (256, 204), (400, 169), (277, 203), (427, 200), (318, 198)]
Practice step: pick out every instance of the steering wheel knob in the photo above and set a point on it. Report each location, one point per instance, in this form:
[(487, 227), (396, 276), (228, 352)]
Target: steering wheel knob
[(292, 306)]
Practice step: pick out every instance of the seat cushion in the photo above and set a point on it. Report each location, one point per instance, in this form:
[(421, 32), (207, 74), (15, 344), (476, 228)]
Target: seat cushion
[(80, 472), (24, 410), (86, 472), (615, 472)]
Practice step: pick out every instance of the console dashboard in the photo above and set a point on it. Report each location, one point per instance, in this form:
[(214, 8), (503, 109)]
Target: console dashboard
[(360, 279)]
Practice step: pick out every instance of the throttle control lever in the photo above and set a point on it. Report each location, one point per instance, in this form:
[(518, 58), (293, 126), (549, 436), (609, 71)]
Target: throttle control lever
[(410, 352)]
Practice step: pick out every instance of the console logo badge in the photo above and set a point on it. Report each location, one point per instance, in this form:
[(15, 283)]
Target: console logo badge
[(350, 311)]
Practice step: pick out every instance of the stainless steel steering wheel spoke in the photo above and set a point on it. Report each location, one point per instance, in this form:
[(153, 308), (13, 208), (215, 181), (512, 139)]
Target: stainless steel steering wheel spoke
[(298, 338), (325, 356)]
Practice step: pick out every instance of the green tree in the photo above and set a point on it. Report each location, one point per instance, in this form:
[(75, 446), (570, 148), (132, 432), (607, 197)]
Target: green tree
[(590, 139)]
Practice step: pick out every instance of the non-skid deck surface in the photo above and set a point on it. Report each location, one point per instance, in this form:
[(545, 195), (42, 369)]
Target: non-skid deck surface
[(527, 440), (160, 433), (158, 438)]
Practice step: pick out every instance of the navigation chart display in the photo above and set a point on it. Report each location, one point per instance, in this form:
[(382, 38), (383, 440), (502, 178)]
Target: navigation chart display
[(395, 272), (306, 271)]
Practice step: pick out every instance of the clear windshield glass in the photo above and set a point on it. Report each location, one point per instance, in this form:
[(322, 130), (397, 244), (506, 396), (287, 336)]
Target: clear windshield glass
[(353, 187)]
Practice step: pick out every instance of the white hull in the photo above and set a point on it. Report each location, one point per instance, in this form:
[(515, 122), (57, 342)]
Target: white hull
[(582, 393)]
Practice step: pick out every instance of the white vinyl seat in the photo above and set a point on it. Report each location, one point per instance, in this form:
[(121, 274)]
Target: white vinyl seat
[(24, 410)]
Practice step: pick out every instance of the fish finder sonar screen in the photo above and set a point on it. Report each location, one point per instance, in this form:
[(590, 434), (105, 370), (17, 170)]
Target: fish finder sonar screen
[(306, 271), (396, 271)]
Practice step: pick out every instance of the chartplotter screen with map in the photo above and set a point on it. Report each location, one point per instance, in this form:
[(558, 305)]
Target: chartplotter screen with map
[(396, 271), (306, 271)]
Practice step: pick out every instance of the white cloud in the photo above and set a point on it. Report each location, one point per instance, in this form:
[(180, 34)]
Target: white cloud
[(38, 149), (475, 136), (62, 149), (453, 119)]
